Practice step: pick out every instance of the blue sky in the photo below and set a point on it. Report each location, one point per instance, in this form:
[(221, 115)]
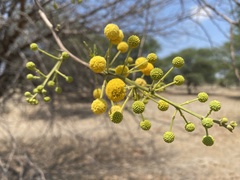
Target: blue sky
[(217, 36)]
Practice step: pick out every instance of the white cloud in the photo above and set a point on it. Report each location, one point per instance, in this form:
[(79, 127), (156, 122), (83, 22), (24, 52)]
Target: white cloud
[(200, 13)]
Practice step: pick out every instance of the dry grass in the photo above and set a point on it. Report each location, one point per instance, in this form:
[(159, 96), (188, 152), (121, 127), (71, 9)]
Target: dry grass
[(71, 143)]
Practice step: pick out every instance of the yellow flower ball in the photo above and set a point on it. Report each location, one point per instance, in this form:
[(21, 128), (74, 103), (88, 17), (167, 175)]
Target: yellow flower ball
[(133, 41), (146, 71), (118, 39), (114, 108), (115, 90), (111, 31), (122, 70), (97, 93), (97, 64), (99, 106), (152, 58), (141, 62), (141, 82), (122, 47)]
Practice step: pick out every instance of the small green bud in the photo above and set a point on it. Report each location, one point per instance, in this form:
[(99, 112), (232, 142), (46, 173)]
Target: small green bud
[(189, 127), (69, 79), (229, 127), (224, 120), (55, 5), (44, 91), (35, 90), (156, 74), (178, 62), (51, 83), (168, 137), (152, 58), (130, 60), (116, 117), (179, 80), (233, 124), (202, 97), (47, 99), (65, 55), (145, 124), (138, 107), (215, 105), (163, 105), (34, 46), (58, 90), (133, 41), (27, 94), (208, 140), (207, 122), (40, 88), (30, 65), (30, 77)]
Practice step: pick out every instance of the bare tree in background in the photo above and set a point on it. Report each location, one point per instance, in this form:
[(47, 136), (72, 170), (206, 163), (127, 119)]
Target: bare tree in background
[(227, 11)]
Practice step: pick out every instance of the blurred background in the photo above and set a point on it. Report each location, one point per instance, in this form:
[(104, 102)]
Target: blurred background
[(64, 140)]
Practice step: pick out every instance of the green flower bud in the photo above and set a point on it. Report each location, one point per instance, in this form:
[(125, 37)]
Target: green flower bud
[(69, 79), (30, 65), (224, 120), (202, 97), (51, 83), (47, 99), (55, 5), (163, 105), (116, 117), (44, 91), (27, 94), (130, 60), (233, 124), (178, 62), (156, 74), (58, 90), (65, 55), (35, 90), (133, 41), (34, 46), (145, 124), (179, 80), (207, 122), (40, 88), (30, 77), (189, 127), (208, 140), (215, 105), (168, 137), (138, 107), (152, 58), (229, 127)]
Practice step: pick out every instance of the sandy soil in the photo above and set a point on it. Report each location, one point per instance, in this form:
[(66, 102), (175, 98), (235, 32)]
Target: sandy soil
[(69, 142)]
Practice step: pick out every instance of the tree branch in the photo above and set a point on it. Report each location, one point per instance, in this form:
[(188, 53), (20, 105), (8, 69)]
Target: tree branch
[(57, 39)]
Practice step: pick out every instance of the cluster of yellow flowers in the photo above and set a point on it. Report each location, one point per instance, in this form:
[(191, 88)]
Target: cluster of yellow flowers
[(120, 88)]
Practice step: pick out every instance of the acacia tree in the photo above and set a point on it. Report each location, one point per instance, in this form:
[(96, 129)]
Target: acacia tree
[(228, 12)]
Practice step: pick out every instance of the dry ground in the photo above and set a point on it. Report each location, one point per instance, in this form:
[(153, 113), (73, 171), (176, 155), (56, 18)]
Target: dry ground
[(69, 142)]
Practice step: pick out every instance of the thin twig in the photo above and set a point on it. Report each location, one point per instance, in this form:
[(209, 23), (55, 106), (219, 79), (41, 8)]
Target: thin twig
[(57, 39)]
